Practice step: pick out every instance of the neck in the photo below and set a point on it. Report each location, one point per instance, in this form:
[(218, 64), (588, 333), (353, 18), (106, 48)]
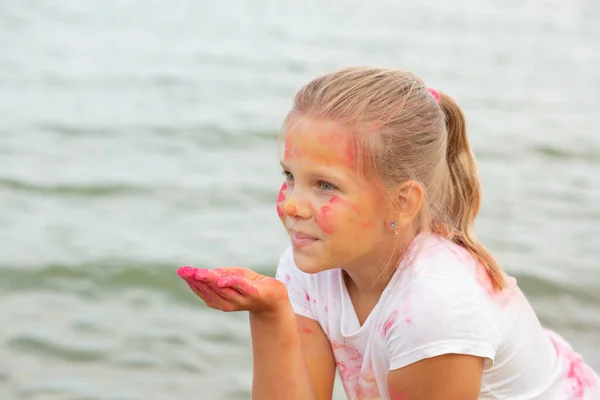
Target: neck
[(368, 277)]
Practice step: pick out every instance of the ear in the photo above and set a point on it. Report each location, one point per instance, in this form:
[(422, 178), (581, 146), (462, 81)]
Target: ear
[(407, 203)]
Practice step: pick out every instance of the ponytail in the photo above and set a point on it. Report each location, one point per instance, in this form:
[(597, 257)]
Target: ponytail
[(465, 191)]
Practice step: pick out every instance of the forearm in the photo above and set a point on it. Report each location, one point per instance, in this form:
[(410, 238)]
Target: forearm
[(280, 371)]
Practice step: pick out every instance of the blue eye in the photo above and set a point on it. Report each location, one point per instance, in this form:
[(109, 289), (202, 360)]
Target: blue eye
[(326, 186), (288, 176)]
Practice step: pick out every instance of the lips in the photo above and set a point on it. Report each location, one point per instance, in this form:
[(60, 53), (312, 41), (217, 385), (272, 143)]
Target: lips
[(300, 239)]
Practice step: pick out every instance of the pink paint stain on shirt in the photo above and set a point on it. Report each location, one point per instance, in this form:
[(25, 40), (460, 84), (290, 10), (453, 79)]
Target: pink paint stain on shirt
[(366, 388), (387, 324), (580, 377), (483, 278), (288, 277), (348, 360)]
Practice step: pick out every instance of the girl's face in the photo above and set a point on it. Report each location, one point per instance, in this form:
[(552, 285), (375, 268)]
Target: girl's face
[(334, 215)]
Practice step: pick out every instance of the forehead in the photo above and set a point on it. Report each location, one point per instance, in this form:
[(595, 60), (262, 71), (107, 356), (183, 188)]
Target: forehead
[(320, 140)]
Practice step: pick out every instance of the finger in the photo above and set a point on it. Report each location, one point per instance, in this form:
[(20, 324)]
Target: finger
[(212, 298), (211, 278), (186, 271), (205, 275), (214, 295), (200, 293), (232, 271), (241, 285)]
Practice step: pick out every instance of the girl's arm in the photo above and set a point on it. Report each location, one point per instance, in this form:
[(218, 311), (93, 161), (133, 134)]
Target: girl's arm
[(292, 357), (449, 377)]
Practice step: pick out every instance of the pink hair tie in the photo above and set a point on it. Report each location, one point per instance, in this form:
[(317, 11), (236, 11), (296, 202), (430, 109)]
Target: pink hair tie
[(435, 94)]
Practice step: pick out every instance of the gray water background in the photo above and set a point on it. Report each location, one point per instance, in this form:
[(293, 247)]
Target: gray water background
[(138, 136)]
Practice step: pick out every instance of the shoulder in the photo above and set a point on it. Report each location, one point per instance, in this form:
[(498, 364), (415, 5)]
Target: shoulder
[(441, 258), (437, 306), (442, 279)]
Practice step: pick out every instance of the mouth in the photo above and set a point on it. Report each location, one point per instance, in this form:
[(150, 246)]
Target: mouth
[(300, 239)]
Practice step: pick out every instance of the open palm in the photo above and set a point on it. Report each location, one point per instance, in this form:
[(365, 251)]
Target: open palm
[(234, 288)]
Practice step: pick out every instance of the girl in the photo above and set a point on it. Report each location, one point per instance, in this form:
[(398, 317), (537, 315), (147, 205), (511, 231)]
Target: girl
[(384, 279)]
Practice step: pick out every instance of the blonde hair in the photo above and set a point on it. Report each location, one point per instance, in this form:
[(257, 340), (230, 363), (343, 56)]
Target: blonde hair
[(402, 133)]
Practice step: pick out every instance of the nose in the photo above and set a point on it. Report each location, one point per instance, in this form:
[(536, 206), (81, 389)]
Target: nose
[(296, 209)]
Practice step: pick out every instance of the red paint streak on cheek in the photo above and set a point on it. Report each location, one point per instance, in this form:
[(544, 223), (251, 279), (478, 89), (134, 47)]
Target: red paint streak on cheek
[(281, 196), (325, 219), (281, 199), (325, 215)]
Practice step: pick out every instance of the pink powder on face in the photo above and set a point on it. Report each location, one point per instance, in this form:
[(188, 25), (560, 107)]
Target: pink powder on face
[(281, 196), (338, 138), (324, 219), (325, 215), (280, 199), (291, 152), (289, 207)]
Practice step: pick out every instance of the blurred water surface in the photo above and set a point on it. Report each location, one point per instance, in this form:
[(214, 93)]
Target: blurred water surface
[(138, 136)]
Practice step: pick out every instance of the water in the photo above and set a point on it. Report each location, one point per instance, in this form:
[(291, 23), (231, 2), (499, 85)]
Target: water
[(139, 136)]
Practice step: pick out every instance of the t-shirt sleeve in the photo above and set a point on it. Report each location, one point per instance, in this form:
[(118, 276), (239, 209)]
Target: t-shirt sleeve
[(298, 284), (440, 316)]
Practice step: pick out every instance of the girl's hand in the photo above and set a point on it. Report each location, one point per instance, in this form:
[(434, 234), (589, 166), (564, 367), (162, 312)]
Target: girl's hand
[(235, 289)]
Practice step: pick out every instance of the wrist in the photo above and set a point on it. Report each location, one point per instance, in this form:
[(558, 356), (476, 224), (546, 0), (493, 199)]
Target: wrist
[(281, 310)]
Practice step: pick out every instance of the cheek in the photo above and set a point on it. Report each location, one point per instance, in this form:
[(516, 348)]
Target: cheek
[(338, 214), (325, 219), (281, 199)]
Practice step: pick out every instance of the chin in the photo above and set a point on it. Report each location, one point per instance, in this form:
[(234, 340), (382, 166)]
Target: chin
[(310, 264)]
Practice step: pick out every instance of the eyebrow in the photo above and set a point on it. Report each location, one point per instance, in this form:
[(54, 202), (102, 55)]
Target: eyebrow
[(320, 173)]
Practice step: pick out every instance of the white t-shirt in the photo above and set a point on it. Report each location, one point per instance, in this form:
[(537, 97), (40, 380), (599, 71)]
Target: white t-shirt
[(440, 301)]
